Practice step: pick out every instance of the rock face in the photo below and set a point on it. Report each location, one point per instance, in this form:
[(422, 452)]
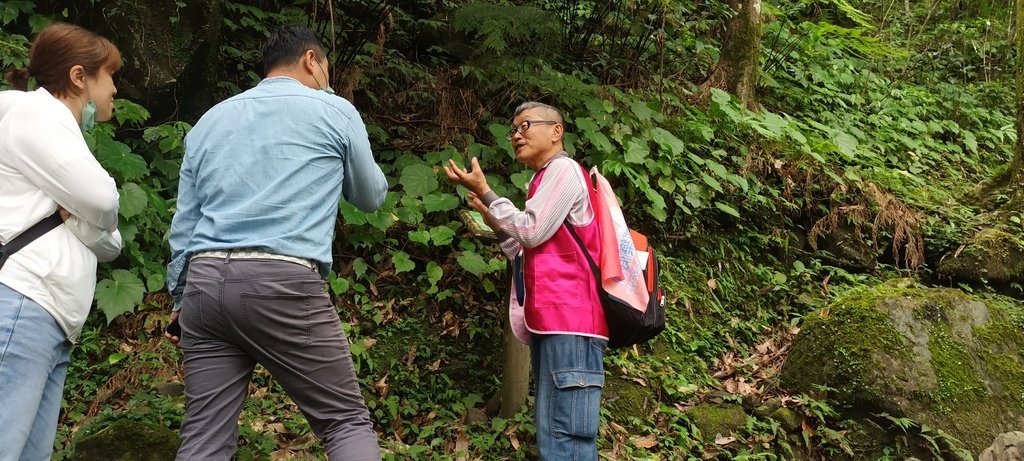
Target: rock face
[(937, 356), (168, 49), (128, 441), (1007, 447)]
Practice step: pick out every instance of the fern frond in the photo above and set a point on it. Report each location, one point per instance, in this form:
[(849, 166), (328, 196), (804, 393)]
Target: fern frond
[(502, 27)]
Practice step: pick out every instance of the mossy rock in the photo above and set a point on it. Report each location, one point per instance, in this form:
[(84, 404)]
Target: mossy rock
[(937, 356), (126, 440), (627, 399), (992, 255), (788, 419), (712, 420)]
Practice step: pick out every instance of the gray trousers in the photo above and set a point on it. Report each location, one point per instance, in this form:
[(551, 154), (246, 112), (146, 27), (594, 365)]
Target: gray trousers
[(237, 313)]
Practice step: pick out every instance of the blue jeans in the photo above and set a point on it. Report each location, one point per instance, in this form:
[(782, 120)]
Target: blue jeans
[(568, 374), (34, 355)]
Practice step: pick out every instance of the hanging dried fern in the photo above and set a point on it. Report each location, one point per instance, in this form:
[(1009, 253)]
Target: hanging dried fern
[(889, 214)]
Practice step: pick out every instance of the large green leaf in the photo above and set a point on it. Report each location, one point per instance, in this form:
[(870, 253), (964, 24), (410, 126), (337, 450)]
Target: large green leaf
[(711, 182), (440, 202), (727, 209), (418, 180), (717, 168), (642, 111), (473, 263), (601, 142), (420, 236), (668, 141), (359, 266), (434, 272), (774, 123), (521, 179), (381, 220), (119, 294), (442, 235), (847, 145), (351, 214), (155, 281), (970, 141), (636, 151), (409, 215), (340, 286), (117, 157), (402, 262), (133, 200)]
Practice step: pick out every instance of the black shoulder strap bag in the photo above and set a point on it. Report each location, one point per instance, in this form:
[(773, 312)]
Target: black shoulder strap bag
[(37, 230)]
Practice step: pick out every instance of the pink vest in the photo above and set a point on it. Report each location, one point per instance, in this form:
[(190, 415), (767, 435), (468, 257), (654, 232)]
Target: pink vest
[(561, 291)]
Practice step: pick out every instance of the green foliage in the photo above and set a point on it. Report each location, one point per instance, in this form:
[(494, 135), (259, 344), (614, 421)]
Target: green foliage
[(936, 442), (119, 294), (506, 29), (146, 170), (852, 93)]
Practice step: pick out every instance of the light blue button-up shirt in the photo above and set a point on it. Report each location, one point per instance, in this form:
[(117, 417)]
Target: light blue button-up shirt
[(266, 169)]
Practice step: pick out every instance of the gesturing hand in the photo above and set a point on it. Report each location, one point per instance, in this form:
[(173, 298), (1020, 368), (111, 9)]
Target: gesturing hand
[(473, 179), (478, 205)]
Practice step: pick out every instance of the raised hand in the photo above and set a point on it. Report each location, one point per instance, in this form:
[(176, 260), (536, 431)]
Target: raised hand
[(473, 179)]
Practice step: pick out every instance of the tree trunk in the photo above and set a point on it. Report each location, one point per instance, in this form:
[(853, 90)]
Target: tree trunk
[(737, 68), (1017, 168), (515, 382)]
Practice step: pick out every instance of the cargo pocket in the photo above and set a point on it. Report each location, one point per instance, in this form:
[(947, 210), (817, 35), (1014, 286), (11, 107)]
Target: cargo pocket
[(576, 407), (278, 321)]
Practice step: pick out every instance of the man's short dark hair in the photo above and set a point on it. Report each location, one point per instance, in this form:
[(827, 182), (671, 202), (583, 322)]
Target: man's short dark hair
[(287, 45)]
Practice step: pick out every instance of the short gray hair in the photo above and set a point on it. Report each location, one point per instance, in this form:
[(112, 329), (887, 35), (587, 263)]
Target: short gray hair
[(539, 105)]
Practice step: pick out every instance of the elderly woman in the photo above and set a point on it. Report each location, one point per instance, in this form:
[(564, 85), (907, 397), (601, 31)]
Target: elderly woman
[(46, 170)]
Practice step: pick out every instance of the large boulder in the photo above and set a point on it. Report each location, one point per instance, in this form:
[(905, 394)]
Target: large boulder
[(938, 356)]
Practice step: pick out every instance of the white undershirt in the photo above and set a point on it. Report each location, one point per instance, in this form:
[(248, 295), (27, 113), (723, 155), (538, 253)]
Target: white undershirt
[(45, 163)]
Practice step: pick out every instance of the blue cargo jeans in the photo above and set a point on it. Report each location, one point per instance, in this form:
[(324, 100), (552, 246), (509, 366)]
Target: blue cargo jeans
[(568, 372)]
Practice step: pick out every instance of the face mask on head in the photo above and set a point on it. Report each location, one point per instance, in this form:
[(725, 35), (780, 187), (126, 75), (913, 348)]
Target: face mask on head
[(89, 115)]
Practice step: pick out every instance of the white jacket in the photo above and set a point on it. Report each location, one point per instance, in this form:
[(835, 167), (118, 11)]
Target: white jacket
[(45, 163)]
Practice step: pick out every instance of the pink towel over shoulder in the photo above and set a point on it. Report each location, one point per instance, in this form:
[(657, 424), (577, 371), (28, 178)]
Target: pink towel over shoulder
[(621, 269)]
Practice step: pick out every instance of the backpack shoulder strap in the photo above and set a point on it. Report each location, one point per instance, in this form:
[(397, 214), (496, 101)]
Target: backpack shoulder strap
[(592, 191), (37, 230)]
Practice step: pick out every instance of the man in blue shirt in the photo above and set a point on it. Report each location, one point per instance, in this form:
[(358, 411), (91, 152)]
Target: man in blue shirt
[(250, 244)]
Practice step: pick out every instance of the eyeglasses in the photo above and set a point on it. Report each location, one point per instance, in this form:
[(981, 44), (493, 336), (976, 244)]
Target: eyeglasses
[(522, 127)]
